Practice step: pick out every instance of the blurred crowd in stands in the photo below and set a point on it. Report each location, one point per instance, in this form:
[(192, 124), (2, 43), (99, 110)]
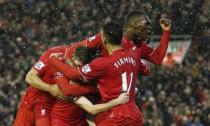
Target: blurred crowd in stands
[(178, 95)]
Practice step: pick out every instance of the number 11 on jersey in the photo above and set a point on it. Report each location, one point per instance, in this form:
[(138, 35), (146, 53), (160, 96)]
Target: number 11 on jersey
[(125, 85)]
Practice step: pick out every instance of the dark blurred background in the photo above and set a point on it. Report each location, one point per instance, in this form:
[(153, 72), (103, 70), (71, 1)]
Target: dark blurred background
[(172, 96)]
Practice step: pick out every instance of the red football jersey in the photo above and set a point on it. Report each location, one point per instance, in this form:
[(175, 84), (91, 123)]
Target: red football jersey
[(45, 71), (68, 111), (152, 55), (91, 42), (115, 74)]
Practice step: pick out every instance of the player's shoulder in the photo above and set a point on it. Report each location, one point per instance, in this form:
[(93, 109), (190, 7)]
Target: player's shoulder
[(57, 48), (100, 61)]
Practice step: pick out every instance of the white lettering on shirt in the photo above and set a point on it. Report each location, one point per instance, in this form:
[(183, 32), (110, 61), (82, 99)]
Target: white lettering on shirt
[(123, 61)]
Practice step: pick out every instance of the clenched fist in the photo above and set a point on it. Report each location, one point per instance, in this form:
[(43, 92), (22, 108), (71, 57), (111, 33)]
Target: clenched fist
[(165, 24)]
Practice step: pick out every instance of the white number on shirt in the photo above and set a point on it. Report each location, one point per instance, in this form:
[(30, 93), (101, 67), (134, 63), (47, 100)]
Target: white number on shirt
[(125, 85)]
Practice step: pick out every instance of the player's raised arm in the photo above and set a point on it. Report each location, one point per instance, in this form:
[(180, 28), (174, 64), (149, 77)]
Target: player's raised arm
[(84, 103), (156, 56)]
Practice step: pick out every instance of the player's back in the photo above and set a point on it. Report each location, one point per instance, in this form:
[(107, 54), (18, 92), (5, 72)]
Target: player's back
[(120, 75)]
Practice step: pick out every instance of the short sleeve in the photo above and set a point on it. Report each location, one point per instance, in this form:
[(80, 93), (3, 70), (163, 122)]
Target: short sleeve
[(96, 69), (43, 62)]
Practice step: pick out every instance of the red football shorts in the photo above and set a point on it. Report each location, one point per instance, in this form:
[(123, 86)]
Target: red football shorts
[(42, 114), (25, 116)]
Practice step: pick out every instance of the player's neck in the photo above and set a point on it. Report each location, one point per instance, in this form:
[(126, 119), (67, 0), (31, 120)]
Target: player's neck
[(111, 48), (128, 35)]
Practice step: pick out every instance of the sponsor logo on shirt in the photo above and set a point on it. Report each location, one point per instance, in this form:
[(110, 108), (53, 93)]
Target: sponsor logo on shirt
[(39, 65), (86, 69)]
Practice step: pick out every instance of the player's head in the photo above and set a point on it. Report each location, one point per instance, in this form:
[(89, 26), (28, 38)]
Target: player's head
[(111, 33), (83, 55), (138, 25)]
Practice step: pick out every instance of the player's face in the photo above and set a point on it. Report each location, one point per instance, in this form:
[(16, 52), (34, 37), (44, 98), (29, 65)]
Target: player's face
[(142, 28)]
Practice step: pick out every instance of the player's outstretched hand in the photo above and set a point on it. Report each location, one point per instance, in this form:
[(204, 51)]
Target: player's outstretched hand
[(123, 98), (165, 24), (56, 92)]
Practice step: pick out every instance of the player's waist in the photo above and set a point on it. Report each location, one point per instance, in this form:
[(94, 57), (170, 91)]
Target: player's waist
[(129, 110), (66, 109), (68, 115)]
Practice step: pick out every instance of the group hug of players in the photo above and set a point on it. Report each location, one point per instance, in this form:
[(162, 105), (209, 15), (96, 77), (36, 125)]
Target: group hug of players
[(68, 82)]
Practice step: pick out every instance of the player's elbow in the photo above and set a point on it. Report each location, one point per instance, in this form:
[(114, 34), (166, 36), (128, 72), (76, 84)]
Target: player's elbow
[(92, 111), (29, 76)]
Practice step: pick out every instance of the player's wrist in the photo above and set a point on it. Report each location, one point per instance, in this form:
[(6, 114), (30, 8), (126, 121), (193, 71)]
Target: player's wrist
[(115, 102)]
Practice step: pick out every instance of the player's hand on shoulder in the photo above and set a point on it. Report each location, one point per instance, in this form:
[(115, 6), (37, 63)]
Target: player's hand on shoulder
[(123, 98), (165, 24)]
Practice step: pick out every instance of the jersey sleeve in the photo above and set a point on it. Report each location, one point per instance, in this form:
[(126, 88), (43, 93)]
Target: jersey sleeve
[(42, 63), (67, 70), (94, 70), (73, 89), (91, 42), (156, 55)]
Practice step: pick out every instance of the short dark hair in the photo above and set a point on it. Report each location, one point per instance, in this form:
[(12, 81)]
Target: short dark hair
[(132, 15), (85, 54), (113, 32)]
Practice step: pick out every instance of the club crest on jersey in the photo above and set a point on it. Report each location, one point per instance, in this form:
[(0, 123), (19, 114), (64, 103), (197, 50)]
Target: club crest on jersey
[(86, 69), (91, 38), (39, 65), (43, 112), (59, 74)]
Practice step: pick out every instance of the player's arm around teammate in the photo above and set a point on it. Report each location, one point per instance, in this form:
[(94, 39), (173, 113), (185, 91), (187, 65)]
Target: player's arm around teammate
[(84, 103), (34, 80)]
